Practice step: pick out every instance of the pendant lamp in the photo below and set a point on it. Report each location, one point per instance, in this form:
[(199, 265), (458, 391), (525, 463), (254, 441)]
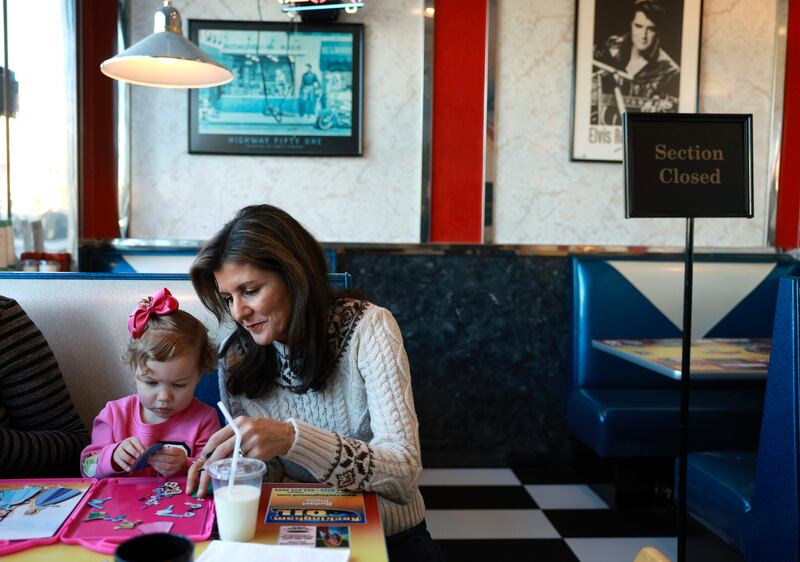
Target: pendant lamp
[(166, 58), (291, 6)]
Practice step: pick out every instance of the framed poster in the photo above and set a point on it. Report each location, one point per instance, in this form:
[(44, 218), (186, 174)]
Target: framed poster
[(297, 89), (636, 56)]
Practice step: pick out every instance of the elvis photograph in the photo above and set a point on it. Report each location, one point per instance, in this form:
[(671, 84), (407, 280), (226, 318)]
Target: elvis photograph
[(296, 89), (631, 56)]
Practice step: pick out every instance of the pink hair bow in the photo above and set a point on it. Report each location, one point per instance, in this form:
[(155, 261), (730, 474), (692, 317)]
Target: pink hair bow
[(160, 303)]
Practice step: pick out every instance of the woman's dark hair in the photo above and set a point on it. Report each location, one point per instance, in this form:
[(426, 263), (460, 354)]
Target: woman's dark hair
[(269, 239)]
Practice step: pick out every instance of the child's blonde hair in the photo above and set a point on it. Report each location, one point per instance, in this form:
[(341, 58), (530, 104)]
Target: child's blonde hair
[(167, 335)]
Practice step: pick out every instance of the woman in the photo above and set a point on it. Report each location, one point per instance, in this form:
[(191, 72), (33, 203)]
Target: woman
[(321, 384)]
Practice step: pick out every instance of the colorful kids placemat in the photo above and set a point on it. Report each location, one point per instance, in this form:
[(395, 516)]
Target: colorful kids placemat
[(33, 511), (712, 358), (122, 508)]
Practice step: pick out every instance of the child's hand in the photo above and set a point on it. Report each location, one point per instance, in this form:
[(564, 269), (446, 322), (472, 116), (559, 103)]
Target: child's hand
[(126, 453), (168, 461)]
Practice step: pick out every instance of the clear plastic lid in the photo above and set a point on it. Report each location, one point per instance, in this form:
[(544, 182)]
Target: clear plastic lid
[(245, 468)]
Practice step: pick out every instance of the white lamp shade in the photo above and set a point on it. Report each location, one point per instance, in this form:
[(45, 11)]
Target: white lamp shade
[(168, 60)]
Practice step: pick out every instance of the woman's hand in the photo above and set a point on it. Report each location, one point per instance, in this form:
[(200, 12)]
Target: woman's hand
[(262, 438), (168, 461), (126, 453)]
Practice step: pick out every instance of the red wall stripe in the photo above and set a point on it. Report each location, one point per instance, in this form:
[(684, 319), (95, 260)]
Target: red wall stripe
[(96, 114), (787, 228), (459, 76)]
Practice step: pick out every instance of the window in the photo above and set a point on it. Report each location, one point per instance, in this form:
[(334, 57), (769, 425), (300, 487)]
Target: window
[(39, 169)]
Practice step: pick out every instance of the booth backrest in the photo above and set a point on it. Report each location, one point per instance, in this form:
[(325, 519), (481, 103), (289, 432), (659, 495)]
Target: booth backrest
[(642, 297), (84, 318), (776, 498), (751, 499), (101, 259)]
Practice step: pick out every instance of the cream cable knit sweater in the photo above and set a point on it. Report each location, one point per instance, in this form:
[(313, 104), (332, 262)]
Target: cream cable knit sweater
[(361, 431)]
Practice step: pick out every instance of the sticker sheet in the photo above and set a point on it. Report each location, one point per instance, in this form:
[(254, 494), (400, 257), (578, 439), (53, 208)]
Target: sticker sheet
[(38, 508)]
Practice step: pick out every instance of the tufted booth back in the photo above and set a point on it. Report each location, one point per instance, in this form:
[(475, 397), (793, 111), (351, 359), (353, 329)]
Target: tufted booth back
[(776, 499)]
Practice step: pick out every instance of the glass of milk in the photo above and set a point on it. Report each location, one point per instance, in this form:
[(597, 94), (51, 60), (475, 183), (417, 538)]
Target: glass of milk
[(237, 506)]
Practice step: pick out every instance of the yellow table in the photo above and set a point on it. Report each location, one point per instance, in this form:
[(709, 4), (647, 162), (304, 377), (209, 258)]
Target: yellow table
[(367, 541), (711, 358)]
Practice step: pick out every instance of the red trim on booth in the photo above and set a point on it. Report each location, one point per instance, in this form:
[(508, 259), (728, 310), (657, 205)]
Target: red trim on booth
[(458, 121), (787, 229), (96, 122)]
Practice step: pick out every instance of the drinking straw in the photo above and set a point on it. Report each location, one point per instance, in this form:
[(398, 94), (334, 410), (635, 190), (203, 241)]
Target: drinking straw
[(236, 444)]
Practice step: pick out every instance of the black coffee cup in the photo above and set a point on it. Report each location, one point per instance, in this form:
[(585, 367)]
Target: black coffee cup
[(156, 547)]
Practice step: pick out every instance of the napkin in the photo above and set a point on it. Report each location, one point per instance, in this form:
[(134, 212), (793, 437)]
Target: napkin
[(227, 551)]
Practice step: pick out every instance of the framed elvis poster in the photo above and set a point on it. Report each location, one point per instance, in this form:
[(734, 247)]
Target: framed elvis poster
[(297, 89), (637, 56)]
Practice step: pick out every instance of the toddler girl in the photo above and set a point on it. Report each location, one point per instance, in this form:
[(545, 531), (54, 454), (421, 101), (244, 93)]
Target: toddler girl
[(168, 351)]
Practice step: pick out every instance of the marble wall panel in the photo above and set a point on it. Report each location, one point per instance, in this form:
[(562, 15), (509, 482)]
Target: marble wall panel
[(374, 198), (542, 197)]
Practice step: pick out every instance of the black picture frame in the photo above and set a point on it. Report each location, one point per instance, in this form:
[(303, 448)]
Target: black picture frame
[(688, 165), (297, 89), (609, 81)]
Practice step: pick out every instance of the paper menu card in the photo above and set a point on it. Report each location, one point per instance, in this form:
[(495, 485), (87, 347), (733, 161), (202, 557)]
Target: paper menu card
[(326, 506), (219, 551)]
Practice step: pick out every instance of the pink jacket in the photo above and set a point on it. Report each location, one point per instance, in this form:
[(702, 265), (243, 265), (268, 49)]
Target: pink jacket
[(122, 418)]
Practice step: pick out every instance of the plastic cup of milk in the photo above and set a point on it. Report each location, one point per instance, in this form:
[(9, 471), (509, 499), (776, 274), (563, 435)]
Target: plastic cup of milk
[(237, 505)]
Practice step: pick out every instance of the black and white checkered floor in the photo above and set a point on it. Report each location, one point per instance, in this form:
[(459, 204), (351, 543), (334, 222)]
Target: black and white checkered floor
[(530, 514)]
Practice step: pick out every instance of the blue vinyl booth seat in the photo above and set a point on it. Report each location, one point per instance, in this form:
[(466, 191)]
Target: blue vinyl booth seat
[(622, 410), (750, 498), (207, 390)]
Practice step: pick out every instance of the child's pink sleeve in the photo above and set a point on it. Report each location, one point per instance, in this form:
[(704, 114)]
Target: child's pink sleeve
[(96, 457), (209, 425)]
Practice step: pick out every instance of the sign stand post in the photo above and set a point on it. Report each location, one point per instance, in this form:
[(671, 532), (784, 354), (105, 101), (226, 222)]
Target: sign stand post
[(688, 166), (686, 360)]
